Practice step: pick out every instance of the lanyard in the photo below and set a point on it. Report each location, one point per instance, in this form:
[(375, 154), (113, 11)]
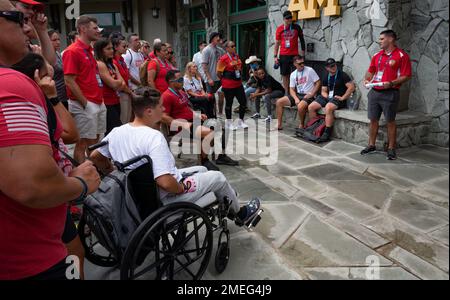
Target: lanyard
[(335, 79), (290, 28), (232, 57), (180, 96), (387, 61), (165, 64), (90, 60)]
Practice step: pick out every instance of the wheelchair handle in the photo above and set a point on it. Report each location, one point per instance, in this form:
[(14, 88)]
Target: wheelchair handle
[(96, 146), (124, 165)]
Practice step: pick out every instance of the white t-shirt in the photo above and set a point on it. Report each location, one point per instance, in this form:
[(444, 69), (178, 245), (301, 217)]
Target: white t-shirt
[(303, 81), (127, 142), (192, 85), (133, 60), (197, 59)]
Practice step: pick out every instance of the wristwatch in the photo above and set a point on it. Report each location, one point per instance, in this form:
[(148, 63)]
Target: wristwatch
[(54, 101)]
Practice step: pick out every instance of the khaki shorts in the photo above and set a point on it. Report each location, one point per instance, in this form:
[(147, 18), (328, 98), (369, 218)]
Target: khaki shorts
[(90, 121)]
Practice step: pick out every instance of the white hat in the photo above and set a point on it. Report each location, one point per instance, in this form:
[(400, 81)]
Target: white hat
[(252, 59)]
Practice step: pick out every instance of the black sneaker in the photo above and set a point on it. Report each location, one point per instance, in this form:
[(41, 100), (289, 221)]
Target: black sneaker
[(368, 149), (391, 154), (210, 166), (324, 138), (252, 209), (223, 159)]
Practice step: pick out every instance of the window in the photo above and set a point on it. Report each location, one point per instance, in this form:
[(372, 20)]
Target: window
[(196, 14), (109, 21), (237, 6)]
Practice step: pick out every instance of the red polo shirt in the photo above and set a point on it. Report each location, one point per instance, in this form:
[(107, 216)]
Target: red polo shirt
[(289, 33), (393, 66), (122, 66), (177, 105), (30, 239), (78, 60)]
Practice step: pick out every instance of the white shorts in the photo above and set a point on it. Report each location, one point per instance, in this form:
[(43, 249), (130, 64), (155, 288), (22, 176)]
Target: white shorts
[(90, 121)]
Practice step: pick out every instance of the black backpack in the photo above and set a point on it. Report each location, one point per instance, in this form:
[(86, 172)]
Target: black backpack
[(313, 131)]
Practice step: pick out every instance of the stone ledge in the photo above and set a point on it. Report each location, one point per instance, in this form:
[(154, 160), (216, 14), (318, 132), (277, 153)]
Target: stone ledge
[(403, 118)]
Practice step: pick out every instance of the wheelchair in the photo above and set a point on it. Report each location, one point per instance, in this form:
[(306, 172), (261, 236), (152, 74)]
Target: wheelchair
[(161, 242)]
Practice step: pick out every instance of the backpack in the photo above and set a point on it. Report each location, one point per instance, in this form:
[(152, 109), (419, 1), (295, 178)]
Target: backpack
[(112, 213), (143, 72), (313, 131)]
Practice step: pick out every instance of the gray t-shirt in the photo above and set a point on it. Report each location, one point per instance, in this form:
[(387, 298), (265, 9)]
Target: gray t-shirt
[(211, 56), (58, 77)]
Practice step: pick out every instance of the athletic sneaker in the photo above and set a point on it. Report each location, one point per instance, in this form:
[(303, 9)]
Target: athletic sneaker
[(210, 166), (391, 154), (223, 159), (230, 126), (256, 116), (242, 125), (268, 119), (368, 149), (251, 209)]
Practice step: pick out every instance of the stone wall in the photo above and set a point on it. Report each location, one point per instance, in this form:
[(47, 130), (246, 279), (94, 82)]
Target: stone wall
[(423, 27)]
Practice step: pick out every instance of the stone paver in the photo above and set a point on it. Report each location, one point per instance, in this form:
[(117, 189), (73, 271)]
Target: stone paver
[(416, 265), (317, 244), (385, 273), (359, 232), (412, 240), (329, 212), (347, 205), (417, 212), (343, 147), (372, 193)]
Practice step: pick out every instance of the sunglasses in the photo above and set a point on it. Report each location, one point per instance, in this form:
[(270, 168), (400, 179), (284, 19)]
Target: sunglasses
[(179, 80), (300, 63), (288, 18), (14, 16)]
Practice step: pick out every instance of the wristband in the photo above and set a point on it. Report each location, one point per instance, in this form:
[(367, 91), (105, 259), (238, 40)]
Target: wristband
[(54, 101), (85, 189)]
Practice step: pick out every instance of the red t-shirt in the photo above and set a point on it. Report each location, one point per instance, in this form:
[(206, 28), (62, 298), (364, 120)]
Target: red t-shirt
[(120, 63), (30, 239), (78, 60), (393, 66), (110, 96), (288, 37), (152, 55), (176, 105), (164, 67), (225, 64)]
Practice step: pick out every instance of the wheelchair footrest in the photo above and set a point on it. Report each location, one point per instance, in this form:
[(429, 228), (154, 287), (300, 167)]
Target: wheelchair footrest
[(254, 221)]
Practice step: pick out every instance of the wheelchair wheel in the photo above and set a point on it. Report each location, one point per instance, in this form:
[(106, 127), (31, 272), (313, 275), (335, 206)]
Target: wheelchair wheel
[(94, 252), (222, 257), (175, 242)]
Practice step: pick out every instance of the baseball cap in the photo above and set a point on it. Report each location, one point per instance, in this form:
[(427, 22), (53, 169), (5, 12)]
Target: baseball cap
[(287, 14), (330, 62), (37, 5)]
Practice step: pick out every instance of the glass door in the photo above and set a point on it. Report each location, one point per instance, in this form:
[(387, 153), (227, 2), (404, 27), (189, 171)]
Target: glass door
[(196, 38), (251, 39)]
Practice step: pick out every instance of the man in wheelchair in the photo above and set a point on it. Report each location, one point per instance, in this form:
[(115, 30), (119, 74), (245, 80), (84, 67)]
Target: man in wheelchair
[(139, 138)]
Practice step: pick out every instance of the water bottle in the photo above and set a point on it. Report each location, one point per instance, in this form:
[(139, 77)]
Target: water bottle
[(276, 66)]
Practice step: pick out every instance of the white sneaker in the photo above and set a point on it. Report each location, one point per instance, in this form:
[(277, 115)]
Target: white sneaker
[(268, 119), (256, 116), (242, 125), (231, 127)]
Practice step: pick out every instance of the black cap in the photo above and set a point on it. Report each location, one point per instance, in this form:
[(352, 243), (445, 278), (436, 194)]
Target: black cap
[(330, 62), (213, 35), (287, 14)]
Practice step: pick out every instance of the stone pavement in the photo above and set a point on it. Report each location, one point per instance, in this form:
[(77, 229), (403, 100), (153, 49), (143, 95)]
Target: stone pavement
[(331, 213)]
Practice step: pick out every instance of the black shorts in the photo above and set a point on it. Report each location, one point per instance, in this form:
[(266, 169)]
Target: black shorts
[(383, 101), (70, 230), (300, 96), (323, 102), (286, 64)]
